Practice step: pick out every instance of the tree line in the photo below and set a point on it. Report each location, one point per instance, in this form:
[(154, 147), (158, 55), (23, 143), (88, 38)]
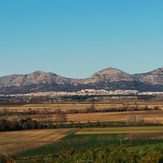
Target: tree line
[(90, 109), (23, 124), (60, 122)]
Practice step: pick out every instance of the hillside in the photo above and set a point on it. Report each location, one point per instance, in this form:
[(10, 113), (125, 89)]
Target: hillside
[(109, 79)]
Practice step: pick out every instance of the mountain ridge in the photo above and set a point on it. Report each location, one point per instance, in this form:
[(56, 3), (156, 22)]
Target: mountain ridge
[(108, 78)]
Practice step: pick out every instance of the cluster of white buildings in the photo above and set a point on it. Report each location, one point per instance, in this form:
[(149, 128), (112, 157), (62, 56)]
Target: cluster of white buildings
[(105, 92), (85, 92), (150, 93)]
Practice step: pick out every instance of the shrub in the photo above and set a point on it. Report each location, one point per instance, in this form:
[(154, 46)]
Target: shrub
[(3, 158)]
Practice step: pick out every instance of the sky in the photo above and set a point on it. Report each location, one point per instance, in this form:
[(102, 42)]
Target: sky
[(76, 38)]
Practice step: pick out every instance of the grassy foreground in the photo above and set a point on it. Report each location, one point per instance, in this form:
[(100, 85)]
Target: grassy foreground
[(111, 154), (99, 138)]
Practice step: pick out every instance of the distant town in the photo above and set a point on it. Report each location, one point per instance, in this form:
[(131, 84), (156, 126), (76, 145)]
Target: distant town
[(85, 92)]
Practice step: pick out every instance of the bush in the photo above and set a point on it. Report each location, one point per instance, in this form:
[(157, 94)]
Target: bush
[(3, 159)]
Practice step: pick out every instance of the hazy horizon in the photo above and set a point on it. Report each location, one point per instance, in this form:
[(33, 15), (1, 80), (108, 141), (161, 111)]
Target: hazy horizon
[(75, 39)]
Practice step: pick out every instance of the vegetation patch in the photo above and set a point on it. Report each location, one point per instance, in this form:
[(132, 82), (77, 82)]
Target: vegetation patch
[(98, 140), (110, 154)]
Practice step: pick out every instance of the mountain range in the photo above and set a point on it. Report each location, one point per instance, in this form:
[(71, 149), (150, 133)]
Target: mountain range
[(108, 79)]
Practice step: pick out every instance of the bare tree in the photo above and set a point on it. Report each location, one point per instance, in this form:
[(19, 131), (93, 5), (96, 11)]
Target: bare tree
[(91, 108), (135, 120), (60, 117), (131, 119)]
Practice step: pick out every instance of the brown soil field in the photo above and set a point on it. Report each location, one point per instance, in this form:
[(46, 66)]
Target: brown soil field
[(80, 106), (147, 116), (18, 141)]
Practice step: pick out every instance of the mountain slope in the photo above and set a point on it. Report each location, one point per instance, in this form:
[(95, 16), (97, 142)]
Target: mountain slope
[(109, 79), (154, 77), (110, 75), (37, 77)]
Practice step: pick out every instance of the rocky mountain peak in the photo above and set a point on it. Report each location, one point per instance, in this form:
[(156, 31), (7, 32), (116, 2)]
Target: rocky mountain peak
[(109, 70), (153, 77), (111, 75), (38, 72), (158, 71), (108, 78)]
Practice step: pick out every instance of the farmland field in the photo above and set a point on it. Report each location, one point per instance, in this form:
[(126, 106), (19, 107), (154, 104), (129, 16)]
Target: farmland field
[(79, 106), (122, 130), (148, 116), (155, 116), (20, 144), (19, 141), (101, 137)]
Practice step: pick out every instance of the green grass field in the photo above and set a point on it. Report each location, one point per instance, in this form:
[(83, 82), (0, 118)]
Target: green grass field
[(101, 137), (150, 129)]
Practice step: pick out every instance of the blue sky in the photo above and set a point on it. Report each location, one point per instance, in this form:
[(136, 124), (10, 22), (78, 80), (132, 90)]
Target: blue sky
[(75, 38)]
